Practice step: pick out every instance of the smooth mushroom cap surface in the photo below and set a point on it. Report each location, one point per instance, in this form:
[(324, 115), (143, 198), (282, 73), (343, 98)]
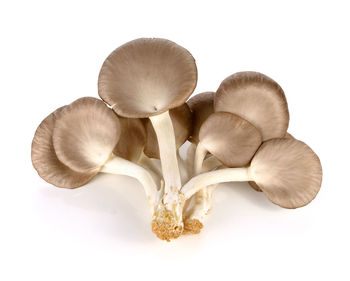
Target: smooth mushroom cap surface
[(181, 118), (85, 134), (146, 77), (201, 106), (132, 139), (45, 161), (252, 183), (287, 171), (258, 99), (230, 138)]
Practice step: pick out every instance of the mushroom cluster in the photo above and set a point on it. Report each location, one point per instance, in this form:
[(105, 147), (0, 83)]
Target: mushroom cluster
[(238, 133)]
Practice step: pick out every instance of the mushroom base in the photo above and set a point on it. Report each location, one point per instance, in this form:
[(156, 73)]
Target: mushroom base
[(192, 226), (167, 224)]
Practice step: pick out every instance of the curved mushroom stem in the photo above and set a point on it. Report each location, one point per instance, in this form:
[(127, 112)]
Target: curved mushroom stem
[(167, 219), (199, 206), (120, 166), (200, 201), (201, 152), (215, 177)]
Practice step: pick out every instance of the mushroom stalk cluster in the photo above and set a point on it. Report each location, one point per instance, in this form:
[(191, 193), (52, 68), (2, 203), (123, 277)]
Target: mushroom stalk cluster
[(238, 133)]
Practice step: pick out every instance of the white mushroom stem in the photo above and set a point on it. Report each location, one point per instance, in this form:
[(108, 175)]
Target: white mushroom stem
[(201, 200), (168, 156), (202, 203), (201, 152), (190, 154), (120, 166), (183, 170), (215, 177)]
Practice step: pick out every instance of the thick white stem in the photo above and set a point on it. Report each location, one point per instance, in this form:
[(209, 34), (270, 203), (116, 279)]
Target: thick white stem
[(214, 177), (120, 166), (201, 152), (168, 156)]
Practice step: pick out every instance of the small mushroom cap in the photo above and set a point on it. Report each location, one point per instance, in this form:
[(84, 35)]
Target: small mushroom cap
[(132, 139), (85, 134), (287, 171), (201, 106), (45, 161), (181, 118), (146, 77), (252, 183), (258, 99), (230, 138)]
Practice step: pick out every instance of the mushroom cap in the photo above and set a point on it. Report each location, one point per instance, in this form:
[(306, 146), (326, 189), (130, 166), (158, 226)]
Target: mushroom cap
[(287, 171), (254, 186), (288, 136), (146, 77), (181, 118), (132, 139), (230, 138), (252, 183), (258, 99), (85, 134), (45, 161), (201, 106)]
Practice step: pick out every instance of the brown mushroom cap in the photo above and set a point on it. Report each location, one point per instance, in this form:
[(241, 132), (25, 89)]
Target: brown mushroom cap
[(258, 99), (252, 183), (85, 134), (230, 138), (181, 118), (287, 171), (45, 161), (132, 139), (146, 77), (201, 106), (289, 136)]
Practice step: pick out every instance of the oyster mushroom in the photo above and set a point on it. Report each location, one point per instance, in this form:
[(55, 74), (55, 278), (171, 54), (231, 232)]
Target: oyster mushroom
[(256, 98), (76, 142), (230, 139), (287, 171), (145, 78)]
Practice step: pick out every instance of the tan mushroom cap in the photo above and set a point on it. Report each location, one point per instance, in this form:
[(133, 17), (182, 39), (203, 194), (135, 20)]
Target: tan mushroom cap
[(201, 106), (287, 171), (132, 139), (252, 183), (85, 134), (181, 118), (45, 161), (258, 99), (146, 77), (289, 136), (230, 138)]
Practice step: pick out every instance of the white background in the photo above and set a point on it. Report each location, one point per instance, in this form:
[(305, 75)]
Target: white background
[(51, 53)]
